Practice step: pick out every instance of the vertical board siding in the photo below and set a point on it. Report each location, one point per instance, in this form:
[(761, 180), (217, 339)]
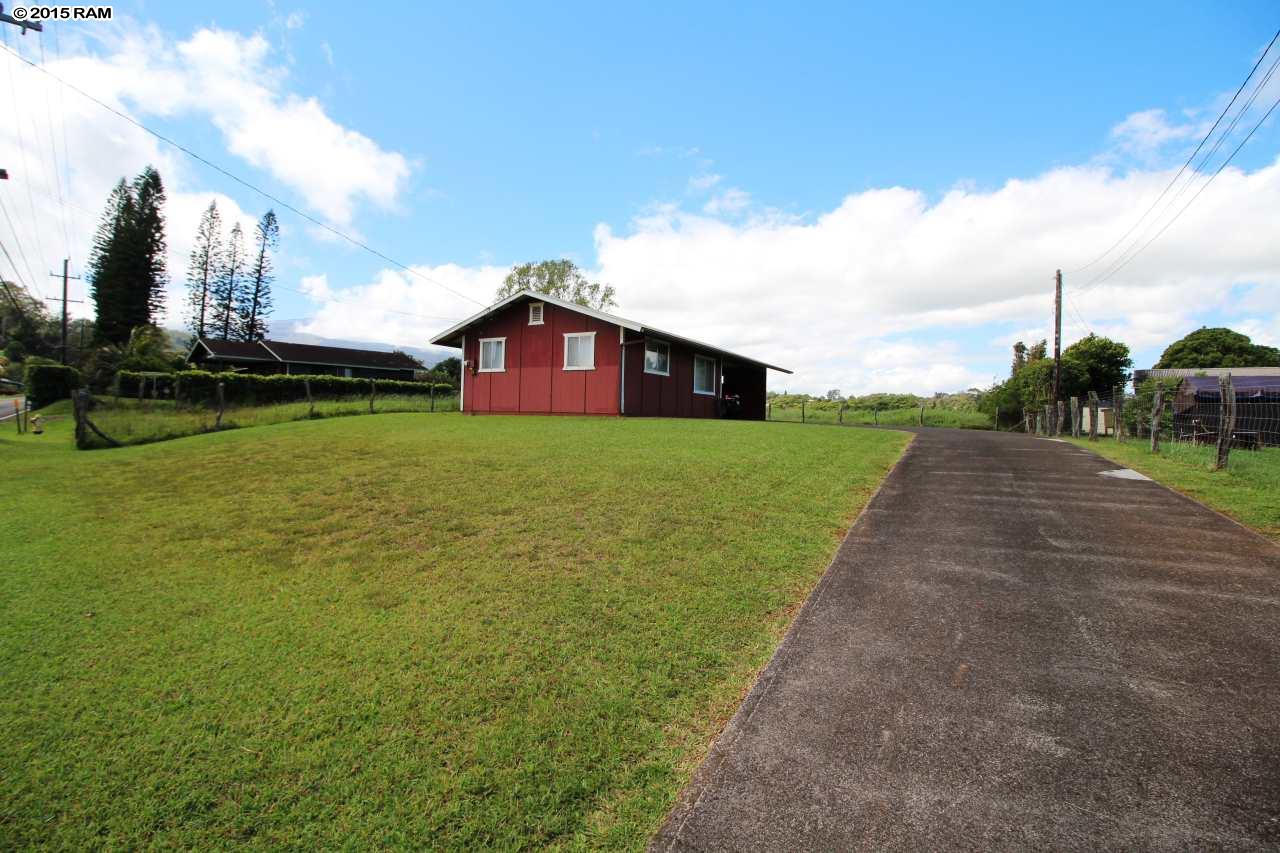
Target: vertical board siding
[(535, 381)]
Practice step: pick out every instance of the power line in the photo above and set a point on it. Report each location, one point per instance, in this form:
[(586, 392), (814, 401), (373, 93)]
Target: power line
[(17, 276), (53, 147), (1169, 186), (1204, 187), (284, 204), (1136, 247), (22, 150), (21, 253)]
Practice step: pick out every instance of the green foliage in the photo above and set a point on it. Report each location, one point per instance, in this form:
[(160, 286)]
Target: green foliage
[(1106, 363), (47, 381), (450, 367), (257, 293), (201, 387), (1217, 347), (561, 279), (227, 292), (202, 269), (126, 268)]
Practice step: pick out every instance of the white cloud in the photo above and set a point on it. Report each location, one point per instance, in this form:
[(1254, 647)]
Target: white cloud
[(397, 307), (703, 182), (729, 202), (1145, 134), (228, 79)]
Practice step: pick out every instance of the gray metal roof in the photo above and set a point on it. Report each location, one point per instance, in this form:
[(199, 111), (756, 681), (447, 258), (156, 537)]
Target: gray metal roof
[(451, 337)]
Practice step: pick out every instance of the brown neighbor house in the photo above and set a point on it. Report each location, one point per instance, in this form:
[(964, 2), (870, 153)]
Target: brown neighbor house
[(309, 359)]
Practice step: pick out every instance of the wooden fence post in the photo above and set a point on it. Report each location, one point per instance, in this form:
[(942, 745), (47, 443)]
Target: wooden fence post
[(17, 416), (802, 411), (1117, 408), (311, 403), (1226, 420), (372, 391), (840, 414), (875, 413), (222, 405), (1157, 413), (1059, 418), (922, 414), (1075, 417), (79, 402), (431, 393)]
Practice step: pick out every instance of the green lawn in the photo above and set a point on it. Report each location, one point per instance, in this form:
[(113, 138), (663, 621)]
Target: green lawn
[(1248, 489), (960, 418), (397, 631)]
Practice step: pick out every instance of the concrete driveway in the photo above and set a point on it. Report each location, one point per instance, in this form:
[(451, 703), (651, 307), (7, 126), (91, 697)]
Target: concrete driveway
[(1012, 650)]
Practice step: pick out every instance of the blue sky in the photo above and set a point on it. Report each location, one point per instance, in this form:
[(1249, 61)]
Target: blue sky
[(875, 196)]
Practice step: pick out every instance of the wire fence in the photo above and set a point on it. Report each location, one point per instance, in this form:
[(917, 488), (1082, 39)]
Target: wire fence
[(834, 412), (159, 413), (1211, 412)]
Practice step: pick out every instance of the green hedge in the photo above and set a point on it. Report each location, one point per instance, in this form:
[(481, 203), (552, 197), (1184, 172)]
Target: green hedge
[(201, 386), (47, 382)]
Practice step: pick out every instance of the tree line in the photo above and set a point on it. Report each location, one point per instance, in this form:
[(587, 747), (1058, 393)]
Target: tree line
[(228, 285)]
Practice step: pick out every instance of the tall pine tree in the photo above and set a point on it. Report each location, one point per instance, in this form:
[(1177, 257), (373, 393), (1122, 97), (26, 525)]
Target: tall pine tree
[(228, 289), (257, 296), (108, 269), (126, 268), (148, 193), (202, 269)]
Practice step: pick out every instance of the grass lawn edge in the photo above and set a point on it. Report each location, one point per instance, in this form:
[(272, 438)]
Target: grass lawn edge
[(697, 767), (1157, 475)]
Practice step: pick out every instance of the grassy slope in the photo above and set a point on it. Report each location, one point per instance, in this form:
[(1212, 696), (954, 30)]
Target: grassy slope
[(1248, 490), (398, 629)]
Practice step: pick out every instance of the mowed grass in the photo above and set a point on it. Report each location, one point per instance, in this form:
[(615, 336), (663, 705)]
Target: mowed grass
[(397, 631), (129, 421), (1248, 489), (957, 418)]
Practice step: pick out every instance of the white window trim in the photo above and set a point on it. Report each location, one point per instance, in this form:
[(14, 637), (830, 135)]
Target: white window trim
[(645, 362), (591, 335), (542, 313), (480, 357), (712, 392)]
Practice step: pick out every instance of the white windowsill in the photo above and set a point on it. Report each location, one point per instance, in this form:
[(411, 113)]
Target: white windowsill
[(592, 367), (657, 372), (492, 370), (704, 393)]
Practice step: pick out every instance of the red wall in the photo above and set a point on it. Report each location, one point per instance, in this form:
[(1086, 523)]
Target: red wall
[(671, 396), (535, 380)]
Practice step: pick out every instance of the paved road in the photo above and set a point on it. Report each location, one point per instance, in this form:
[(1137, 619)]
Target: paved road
[(1011, 650)]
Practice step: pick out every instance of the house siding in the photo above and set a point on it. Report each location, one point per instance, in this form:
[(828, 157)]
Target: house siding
[(534, 380)]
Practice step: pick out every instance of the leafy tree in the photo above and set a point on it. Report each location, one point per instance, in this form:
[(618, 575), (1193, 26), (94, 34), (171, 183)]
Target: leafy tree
[(1106, 362), (450, 367), (561, 279), (413, 358), (257, 295), (1019, 358), (228, 288), (203, 268), (24, 323), (833, 394), (1217, 347), (1038, 351)]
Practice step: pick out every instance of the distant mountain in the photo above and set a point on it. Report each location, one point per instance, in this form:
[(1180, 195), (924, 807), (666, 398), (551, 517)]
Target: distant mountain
[(287, 330)]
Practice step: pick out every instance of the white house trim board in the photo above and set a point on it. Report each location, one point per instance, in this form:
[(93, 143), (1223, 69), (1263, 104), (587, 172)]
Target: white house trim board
[(480, 368), (592, 337)]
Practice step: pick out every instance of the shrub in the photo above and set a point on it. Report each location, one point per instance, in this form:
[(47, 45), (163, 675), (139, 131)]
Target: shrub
[(48, 381), (251, 389)]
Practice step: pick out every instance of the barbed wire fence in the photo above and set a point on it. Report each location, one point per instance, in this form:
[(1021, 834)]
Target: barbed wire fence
[(1216, 414)]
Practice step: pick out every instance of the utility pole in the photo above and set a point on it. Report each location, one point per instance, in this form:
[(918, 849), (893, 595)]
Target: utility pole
[(66, 262), (1057, 337)]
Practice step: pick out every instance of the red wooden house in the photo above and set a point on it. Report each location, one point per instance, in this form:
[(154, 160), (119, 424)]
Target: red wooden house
[(535, 354)]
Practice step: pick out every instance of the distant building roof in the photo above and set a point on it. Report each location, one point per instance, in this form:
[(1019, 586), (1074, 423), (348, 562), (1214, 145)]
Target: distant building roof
[(284, 351), (1183, 372)]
